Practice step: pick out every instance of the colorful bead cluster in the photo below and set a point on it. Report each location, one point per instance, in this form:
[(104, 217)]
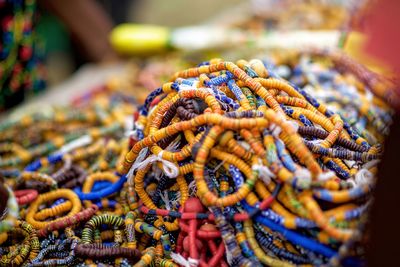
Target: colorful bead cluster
[(227, 164), (21, 69), (59, 169)]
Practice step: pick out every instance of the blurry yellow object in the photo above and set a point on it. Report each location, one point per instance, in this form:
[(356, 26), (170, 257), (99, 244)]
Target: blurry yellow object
[(355, 47), (136, 39)]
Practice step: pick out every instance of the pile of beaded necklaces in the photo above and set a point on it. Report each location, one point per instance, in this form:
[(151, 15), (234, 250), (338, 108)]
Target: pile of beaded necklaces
[(286, 178), (227, 164), (58, 166)]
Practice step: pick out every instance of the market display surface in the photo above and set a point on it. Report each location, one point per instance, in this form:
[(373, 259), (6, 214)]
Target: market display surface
[(259, 162)]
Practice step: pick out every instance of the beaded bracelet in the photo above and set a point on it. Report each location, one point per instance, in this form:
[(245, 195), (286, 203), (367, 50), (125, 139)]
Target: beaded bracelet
[(67, 260), (102, 193), (59, 142), (100, 251), (25, 196), (28, 248), (69, 221), (53, 195), (94, 222), (75, 131)]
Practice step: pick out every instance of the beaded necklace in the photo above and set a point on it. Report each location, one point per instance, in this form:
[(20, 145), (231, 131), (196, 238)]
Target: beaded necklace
[(227, 164), (284, 131)]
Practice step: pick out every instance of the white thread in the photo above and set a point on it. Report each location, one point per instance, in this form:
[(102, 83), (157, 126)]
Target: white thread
[(363, 177), (193, 262), (140, 158), (192, 188), (175, 201), (129, 176), (219, 166), (179, 259), (157, 172), (142, 155), (316, 142), (164, 196), (152, 110), (325, 176), (169, 168), (79, 142), (173, 146), (349, 163), (264, 173)]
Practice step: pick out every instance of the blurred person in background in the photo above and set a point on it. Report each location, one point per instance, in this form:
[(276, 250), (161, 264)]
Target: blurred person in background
[(381, 27)]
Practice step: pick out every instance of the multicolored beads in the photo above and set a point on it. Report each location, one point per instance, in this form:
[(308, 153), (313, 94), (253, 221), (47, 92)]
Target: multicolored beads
[(257, 149), (21, 55), (226, 164)]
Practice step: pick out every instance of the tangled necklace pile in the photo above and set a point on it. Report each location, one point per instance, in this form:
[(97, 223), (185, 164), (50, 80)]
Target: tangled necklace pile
[(227, 164)]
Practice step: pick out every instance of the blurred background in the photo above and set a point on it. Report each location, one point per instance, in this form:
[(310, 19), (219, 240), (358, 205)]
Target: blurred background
[(79, 44), (60, 46)]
